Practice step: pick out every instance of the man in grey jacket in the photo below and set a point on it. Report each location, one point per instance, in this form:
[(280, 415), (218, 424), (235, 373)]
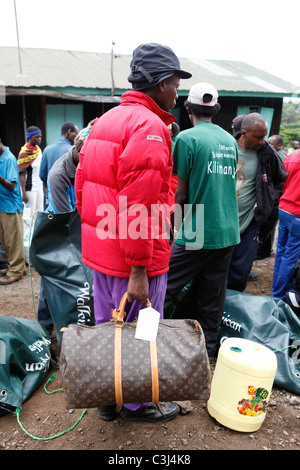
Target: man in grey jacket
[(61, 178), (261, 177)]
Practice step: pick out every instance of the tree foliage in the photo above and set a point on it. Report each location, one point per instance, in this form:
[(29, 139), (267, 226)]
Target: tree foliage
[(291, 113), (290, 123)]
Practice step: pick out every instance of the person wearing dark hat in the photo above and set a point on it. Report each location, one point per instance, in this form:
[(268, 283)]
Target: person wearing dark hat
[(205, 161), (237, 123), (126, 164)]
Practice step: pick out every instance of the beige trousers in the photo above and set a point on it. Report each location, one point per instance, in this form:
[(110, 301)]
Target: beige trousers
[(11, 234)]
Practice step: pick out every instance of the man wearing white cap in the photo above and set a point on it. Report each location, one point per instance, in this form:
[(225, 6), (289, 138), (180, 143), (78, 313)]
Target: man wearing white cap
[(205, 160)]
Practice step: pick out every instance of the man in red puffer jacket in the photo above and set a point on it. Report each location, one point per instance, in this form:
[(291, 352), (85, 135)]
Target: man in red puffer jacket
[(122, 191)]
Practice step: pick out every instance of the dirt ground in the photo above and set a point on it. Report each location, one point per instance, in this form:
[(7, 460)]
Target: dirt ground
[(45, 415)]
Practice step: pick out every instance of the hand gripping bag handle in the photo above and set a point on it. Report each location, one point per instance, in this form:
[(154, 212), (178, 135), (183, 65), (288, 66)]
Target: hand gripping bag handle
[(119, 314)]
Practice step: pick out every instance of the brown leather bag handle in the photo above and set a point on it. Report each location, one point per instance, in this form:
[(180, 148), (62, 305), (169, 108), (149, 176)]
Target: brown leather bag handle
[(119, 314)]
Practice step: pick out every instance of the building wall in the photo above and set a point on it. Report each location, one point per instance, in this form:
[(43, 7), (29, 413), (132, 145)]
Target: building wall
[(13, 120), (18, 113), (229, 109), (230, 105)]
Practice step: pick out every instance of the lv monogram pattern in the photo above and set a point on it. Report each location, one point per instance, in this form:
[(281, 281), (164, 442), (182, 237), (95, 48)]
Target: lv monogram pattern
[(87, 364)]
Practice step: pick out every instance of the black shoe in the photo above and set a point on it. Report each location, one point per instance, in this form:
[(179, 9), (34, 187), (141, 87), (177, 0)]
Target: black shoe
[(253, 276), (152, 413), (212, 359), (108, 413)]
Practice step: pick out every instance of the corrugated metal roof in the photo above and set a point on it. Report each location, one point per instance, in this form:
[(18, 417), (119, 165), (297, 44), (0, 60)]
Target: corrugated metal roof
[(60, 69)]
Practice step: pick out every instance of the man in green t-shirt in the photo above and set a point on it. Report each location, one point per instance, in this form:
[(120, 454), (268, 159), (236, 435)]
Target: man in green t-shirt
[(205, 161)]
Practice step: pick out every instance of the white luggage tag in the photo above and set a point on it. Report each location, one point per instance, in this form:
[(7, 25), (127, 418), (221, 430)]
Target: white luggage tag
[(147, 324)]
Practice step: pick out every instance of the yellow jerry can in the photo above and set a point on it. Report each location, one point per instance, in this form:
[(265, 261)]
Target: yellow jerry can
[(241, 385)]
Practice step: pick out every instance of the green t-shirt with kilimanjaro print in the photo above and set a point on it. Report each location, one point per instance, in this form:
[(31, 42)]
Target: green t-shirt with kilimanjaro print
[(206, 156)]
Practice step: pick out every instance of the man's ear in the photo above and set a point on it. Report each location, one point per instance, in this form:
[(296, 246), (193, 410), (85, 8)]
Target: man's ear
[(161, 85)]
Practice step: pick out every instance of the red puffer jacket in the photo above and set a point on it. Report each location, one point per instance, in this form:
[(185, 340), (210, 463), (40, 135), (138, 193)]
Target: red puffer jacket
[(122, 181)]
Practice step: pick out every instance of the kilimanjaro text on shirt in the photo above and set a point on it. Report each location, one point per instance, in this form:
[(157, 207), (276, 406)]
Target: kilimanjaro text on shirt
[(223, 161)]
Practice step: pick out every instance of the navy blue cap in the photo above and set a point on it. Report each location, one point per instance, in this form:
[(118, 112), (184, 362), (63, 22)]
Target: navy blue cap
[(151, 63)]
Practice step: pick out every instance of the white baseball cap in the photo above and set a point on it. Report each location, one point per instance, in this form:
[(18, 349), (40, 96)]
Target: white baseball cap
[(198, 91)]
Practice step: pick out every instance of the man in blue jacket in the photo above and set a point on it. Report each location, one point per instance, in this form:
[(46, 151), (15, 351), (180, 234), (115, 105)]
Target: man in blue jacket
[(11, 223), (53, 152)]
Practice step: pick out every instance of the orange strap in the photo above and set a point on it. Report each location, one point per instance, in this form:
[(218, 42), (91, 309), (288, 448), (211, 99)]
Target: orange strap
[(118, 365), (118, 368), (118, 316), (154, 371)]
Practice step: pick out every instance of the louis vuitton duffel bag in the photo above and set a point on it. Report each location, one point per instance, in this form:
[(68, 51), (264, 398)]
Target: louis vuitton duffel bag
[(106, 365)]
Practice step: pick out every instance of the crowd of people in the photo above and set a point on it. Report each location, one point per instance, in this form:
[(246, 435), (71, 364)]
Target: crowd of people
[(227, 192)]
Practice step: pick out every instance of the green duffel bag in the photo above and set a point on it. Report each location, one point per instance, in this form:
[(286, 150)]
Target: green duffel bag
[(24, 360), (55, 253), (270, 322)]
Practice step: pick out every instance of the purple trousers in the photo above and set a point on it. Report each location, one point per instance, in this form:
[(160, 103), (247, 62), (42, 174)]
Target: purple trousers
[(108, 292)]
